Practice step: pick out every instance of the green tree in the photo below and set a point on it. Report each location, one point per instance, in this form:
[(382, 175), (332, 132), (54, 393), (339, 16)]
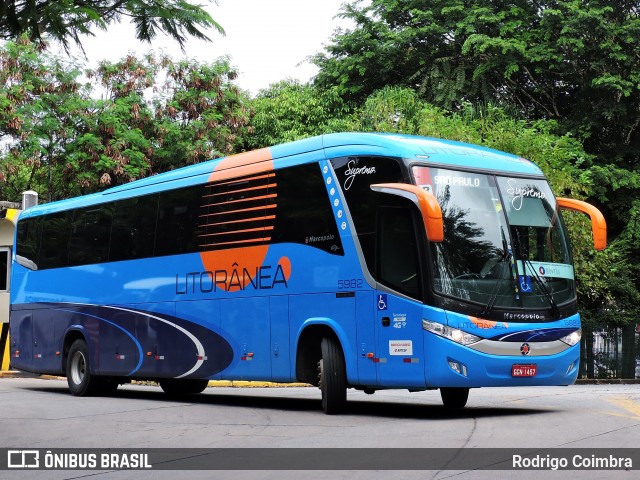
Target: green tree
[(562, 59), (41, 105), (68, 20), (200, 113), (134, 118), (289, 111)]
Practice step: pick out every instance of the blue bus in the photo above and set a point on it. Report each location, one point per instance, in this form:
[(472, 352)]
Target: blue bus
[(350, 260)]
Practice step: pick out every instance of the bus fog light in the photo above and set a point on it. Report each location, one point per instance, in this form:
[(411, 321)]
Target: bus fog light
[(572, 338), (458, 367)]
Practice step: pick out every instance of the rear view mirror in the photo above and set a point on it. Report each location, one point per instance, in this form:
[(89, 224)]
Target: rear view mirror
[(425, 201), (598, 223)]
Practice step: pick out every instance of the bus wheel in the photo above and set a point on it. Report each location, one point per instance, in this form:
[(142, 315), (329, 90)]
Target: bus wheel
[(79, 377), (332, 377), (454, 397), (174, 386)]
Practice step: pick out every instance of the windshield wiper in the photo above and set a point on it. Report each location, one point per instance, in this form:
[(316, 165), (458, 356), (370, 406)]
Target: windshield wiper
[(548, 295), (555, 311), (506, 257)]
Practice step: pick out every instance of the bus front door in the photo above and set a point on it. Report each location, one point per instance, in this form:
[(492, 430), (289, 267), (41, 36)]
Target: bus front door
[(399, 321), (400, 342)]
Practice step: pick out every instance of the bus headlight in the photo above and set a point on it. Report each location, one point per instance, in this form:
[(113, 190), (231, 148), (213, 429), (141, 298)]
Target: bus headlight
[(453, 334), (572, 338)]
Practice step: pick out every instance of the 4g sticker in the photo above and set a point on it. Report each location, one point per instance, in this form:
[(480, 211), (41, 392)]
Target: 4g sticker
[(399, 320)]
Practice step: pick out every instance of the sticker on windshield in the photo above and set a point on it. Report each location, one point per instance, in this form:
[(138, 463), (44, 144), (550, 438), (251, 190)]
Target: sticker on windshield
[(519, 192), (457, 180), (525, 283), (547, 269)]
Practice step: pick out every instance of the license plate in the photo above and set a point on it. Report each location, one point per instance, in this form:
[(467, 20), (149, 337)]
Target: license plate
[(524, 370)]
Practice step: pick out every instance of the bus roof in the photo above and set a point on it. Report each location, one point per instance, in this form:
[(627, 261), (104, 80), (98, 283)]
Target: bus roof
[(430, 150), (413, 148)]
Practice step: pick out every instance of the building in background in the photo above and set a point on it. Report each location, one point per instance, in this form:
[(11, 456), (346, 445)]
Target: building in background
[(9, 212)]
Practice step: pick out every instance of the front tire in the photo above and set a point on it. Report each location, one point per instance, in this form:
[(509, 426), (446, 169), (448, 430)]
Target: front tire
[(454, 398), (79, 378), (332, 377)]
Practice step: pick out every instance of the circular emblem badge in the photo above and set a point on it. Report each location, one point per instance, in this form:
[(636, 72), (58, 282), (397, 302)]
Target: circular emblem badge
[(525, 349)]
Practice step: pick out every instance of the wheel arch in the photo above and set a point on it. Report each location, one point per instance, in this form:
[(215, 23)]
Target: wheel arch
[(72, 334), (308, 352)]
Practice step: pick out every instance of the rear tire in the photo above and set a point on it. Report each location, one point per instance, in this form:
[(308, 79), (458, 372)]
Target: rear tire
[(454, 398), (79, 378), (332, 377), (177, 387)]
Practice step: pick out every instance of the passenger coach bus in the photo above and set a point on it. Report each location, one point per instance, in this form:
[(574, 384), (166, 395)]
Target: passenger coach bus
[(366, 261)]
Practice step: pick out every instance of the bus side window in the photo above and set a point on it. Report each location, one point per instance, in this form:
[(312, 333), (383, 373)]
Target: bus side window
[(28, 242), (134, 228), (398, 261), (356, 175), (178, 227), (91, 229), (304, 213), (54, 246)]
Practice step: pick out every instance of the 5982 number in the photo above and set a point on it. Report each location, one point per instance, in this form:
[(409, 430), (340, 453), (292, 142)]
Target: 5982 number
[(350, 283)]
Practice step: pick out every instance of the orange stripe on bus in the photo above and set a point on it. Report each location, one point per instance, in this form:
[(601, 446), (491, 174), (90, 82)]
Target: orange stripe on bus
[(248, 199), (252, 209), (261, 229), (242, 220), (261, 187), (240, 180), (243, 164), (255, 240)]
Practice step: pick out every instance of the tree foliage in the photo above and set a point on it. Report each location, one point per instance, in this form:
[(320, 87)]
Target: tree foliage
[(66, 21), (560, 59), (133, 118), (289, 111)]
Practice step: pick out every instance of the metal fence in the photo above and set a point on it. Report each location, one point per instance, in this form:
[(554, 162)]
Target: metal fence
[(610, 352)]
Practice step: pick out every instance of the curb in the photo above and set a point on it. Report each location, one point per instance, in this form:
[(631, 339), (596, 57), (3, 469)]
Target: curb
[(608, 381), (248, 384), (254, 384), (212, 383)]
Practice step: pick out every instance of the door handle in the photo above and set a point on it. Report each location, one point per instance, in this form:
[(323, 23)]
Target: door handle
[(386, 321)]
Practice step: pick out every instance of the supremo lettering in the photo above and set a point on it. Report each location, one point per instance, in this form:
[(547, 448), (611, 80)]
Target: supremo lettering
[(264, 277), (518, 194), (352, 171)]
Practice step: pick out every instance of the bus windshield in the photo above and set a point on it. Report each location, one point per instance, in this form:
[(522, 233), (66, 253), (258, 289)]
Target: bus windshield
[(504, 244)]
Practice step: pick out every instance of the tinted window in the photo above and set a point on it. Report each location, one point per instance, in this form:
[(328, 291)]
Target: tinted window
[(239, 212), (287, 205), (179, 221), (134, 228), (356, 175), (90, 232), (54, 247), (304, 214), (398, 257), (28, 242)]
